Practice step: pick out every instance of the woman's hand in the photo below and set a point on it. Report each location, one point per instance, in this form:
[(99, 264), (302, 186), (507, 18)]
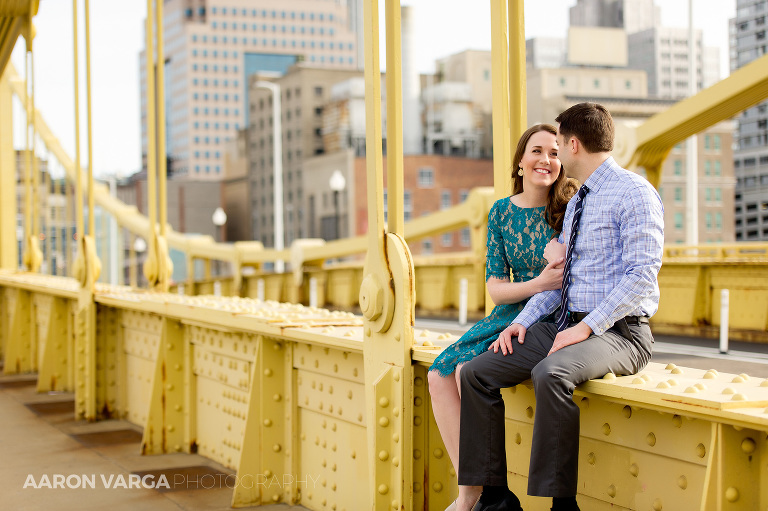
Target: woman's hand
[(554, 251), (551, 276)]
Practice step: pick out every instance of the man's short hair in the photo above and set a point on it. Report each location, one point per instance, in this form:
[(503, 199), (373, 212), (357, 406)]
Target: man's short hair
[(591, 123)]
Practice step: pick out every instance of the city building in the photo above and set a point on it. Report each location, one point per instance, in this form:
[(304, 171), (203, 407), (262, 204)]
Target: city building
[(541, 52), (213, 46), (749, 42), (663, 53), (472, 67), (631, 15), (305, 91), (453, 122)]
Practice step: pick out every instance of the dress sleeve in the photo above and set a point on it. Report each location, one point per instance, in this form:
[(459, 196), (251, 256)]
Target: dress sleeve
[(496, 259)]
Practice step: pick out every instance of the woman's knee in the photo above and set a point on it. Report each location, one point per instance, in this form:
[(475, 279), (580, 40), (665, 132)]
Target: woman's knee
[(439, 384)]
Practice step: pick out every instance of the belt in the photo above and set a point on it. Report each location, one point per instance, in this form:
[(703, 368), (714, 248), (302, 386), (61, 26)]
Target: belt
[(575, 317)]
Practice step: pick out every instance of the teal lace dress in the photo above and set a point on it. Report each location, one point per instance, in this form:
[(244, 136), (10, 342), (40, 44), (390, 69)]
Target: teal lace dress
[(516, 240)]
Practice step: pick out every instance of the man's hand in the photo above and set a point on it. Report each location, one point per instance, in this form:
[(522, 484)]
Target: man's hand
[(505, 338), (573, 335)]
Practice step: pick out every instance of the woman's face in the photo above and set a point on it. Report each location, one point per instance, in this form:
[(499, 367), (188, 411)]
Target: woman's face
[(540, 163)]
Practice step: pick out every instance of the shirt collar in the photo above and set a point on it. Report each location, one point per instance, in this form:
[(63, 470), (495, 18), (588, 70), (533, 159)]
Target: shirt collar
[(601, 173)]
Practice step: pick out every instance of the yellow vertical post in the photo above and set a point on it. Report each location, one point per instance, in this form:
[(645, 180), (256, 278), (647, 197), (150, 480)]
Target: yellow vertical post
[(8, 244), (387, 290), (164, 265), (150, 263), (502, 155), (502, 148), (32, 256), (517, 82), (87, 266), (132, 263), (66, 246)]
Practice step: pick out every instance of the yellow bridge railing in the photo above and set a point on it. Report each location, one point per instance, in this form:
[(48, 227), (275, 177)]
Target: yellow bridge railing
[(269, 389)]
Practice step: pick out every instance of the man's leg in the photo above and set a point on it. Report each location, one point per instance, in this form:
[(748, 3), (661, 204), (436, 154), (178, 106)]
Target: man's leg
[(482, 456), (554, 453)]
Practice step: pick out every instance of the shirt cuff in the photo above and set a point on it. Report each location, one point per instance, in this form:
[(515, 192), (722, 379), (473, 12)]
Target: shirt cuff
[(525, 320), (597, 322)]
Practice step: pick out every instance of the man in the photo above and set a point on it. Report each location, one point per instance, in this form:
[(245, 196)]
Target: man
[(613, 231)]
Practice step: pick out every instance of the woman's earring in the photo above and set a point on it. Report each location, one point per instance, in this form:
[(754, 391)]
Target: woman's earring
[(519, 171)]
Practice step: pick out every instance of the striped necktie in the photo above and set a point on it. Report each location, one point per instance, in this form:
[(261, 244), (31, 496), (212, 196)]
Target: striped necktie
[(562, 318)]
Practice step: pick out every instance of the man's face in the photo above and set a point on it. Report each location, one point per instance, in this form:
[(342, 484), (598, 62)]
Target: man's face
[(564, 152)]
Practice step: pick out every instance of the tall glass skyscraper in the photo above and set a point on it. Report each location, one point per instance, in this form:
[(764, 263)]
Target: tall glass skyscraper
[(212, 46)]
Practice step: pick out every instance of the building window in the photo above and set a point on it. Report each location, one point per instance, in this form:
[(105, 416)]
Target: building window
[(678, 221), (718, 168), (447, 240), (427, 246), (465, 238), (426, 177), (708, 217), (678, 194), (707, 168), (706, 142), (716, 140), (678, 167), (445, 199), (718, 220)]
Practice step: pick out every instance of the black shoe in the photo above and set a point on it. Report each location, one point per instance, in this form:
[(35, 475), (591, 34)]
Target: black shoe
[(509, 502), (564, 504)]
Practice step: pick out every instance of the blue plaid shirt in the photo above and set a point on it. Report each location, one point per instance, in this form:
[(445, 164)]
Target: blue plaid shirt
[(617, 253)]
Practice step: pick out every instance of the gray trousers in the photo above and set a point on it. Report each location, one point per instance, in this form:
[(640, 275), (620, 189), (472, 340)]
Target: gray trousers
[(554, 453)]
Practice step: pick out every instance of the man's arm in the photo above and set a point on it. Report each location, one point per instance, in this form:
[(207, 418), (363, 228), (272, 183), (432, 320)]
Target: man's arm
[(641, 237)]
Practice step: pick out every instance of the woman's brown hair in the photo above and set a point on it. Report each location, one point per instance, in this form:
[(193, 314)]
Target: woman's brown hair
[(562, 189)]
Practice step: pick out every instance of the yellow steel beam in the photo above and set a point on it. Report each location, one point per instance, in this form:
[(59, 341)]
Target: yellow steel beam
[(8, 246), (650, 143)]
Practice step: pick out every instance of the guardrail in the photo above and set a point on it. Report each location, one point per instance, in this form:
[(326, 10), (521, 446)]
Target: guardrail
[(267, 389)]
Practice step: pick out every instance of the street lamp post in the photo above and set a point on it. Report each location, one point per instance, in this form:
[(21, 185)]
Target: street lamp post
[(337, 183), (139, 246), (219, 218), (277, 165)]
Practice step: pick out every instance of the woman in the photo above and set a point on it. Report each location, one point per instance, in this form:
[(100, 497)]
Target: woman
[(519, 228)]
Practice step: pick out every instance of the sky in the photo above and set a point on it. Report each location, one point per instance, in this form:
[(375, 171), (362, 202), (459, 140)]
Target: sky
[(443, 27)]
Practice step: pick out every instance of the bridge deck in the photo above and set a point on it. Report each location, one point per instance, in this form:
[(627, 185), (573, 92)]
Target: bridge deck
[(41, 438)]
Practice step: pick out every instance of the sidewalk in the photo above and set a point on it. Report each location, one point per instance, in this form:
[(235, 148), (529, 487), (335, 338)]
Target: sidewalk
[(39, 438)]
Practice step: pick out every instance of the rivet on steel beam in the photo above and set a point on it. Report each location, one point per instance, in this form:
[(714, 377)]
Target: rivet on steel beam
[(277, 397), (437, 453), (267, 372), (437, 487), (728, 390), (518, 439), (651, 439), (609, 377), (277, 448), (529, 412), (700, 386), (323, 483), (395, 504), (584, 403), (701, 451), (738, 379), (606, 429), (657, 505), (177, 408), (612, 491), (662, 385), (349, 395), (383, 489), (748, 445), (353, 455), (677, 421), (383, 455), (333, 427), (591, 459), (744, 376), (627, 411), (416, 487), (731, 494), (452, 471), (739, 397), (396, 377), (677, 370), (417, 421), (691, 390), (682, 482), (384, 402), (638, 381), (634, 469), (276, 498), (670, 367), (267, 422)]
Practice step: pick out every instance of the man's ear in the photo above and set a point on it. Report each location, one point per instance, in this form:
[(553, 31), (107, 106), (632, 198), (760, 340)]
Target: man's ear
[(575, 144)]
